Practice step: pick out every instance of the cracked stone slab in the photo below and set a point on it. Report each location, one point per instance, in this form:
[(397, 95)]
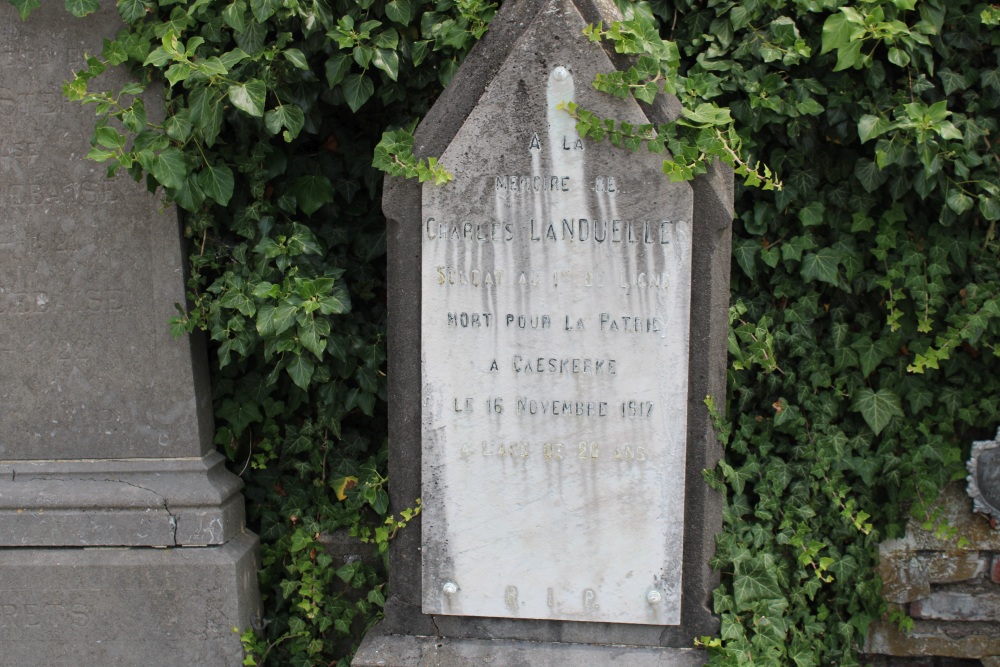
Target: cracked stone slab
[(120, 503)]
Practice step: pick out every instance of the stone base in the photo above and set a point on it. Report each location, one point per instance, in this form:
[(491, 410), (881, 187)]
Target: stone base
[(127, 606), (378, 650), (106, 503)]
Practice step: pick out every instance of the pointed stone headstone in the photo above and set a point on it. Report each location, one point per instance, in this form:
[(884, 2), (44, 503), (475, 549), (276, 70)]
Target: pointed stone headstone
[(105, 419), (572, 310)]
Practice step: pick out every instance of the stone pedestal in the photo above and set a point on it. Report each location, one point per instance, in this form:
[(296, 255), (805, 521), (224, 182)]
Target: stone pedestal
[(122, 538)]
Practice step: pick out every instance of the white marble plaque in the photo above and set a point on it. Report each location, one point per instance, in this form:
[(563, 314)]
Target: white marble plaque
[(556, 277)]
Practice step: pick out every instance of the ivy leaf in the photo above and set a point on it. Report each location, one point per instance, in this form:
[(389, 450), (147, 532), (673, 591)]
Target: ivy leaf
[(216, 181), (296, 57), (337, 68), (821, 266), (249, 97), (991, 78), (870, 354), (169, 167), (387, 60), (920, 397), (871, 177), (877, 407), (745, 252), (301, 369), (132, 10), (811, 214), (235, 16), (357, 89), (952, 81), (25, 7), (870, 127), (754, 580), (399, 11), (312, 335), (312, 192), (289, 116), (275, 320), (82, 7), (264, 9), (836, 33), (239, 415), (989, 207), (958, 201), (848, 56)]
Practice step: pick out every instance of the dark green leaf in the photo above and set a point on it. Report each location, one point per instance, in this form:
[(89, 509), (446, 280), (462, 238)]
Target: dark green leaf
[(357, 89), (249, 96), (217, 182), (82, 7), (877, 407)]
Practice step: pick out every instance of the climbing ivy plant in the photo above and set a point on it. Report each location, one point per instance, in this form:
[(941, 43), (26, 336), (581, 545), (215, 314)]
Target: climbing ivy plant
[(865, 327), (864, 324)]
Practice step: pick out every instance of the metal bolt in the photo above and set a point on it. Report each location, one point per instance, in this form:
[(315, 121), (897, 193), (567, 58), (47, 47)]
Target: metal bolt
[(653, 597), (449, 588), (560, 73)]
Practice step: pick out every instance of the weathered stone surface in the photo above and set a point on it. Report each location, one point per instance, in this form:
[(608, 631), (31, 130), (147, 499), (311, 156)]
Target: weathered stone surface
[(90, 271), (949, 640), (908, 575), (149, 607), (956, 512), (511, 505), (164, 502), (402, 651), (556, 307), (958, 606), (105, 419)]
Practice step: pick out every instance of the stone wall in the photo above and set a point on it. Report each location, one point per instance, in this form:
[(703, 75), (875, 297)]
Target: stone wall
[(951, 592)]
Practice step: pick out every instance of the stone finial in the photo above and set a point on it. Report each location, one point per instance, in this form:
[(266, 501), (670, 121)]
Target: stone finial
[(984, 478)]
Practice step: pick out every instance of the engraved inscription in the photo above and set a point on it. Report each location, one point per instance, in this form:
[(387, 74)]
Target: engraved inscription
[(555, 315)]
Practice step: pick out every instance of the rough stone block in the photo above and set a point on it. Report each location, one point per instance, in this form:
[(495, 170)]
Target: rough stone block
[(379, 650), (127, 607), (957, 606), (934, 639)]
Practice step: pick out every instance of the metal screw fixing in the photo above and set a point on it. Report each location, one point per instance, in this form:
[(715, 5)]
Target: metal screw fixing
[(560, 73), (449, 588), (653, 597)]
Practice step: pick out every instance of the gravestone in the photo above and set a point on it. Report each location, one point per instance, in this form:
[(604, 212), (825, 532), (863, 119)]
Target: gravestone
[(105, 419), (572, 315)]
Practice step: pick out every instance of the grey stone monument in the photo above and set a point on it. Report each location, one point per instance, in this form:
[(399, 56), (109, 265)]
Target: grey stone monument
[(122, 538), (571, 305)]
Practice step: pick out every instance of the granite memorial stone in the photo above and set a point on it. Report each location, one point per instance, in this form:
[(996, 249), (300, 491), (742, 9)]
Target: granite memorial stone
[(571, 306), (105, 419)]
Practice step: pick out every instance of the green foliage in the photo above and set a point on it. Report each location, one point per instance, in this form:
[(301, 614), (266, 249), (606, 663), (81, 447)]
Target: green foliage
[(703, 133), (864, 338)]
